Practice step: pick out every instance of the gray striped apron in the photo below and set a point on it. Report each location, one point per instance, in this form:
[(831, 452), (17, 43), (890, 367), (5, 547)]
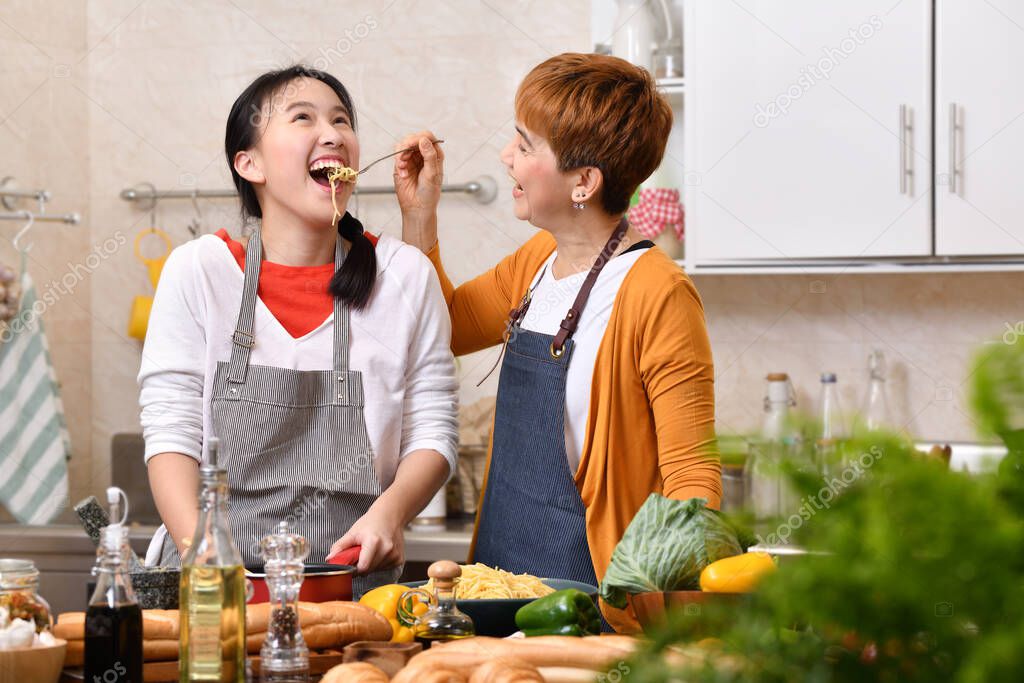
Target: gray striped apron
[(294, 442)]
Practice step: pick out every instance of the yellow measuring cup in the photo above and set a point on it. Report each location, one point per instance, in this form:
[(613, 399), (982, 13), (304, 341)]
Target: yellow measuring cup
[(138, 319)]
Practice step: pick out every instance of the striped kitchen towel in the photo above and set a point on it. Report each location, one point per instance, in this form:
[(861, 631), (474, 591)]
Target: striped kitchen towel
[(34, 444)]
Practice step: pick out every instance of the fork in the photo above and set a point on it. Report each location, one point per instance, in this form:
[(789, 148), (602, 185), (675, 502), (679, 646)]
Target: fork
[(388, 156)]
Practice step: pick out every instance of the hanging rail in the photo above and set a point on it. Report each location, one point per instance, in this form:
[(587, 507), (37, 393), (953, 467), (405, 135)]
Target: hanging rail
[(484, 189), (9, 194), (71, 218)]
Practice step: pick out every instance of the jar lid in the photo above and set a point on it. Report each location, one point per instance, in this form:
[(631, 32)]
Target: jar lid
[(17, 573)]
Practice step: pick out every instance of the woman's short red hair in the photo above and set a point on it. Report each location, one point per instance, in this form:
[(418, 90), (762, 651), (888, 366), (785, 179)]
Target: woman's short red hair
[(601, 111)]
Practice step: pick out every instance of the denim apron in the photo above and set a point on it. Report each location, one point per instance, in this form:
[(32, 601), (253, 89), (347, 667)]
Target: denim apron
[(532, 519), (294, 442)]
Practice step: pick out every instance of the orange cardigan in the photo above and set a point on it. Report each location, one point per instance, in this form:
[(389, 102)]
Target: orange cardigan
[(652, 410)]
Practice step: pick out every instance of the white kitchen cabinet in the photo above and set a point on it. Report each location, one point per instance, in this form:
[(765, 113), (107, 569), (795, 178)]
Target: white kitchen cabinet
[(979, 62), (786, 161)]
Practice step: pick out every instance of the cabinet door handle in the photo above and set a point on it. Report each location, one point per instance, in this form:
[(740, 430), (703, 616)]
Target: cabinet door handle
[(906, 155), (954, 128)]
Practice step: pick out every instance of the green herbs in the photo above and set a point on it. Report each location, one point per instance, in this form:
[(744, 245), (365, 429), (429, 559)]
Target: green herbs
[(921, 579), (665, 548)]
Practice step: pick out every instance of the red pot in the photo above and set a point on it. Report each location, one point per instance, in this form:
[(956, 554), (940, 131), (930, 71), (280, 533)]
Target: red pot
[(321, 583)]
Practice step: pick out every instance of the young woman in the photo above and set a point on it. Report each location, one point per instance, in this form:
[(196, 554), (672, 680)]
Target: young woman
[(606, 391), (319, 355)]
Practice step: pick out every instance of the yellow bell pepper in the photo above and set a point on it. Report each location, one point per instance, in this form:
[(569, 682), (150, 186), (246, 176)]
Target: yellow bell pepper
[(384, 599), (737, 574)]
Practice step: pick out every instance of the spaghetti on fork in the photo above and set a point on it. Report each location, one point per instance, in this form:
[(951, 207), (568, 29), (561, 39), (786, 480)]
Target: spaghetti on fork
[(338, 174)]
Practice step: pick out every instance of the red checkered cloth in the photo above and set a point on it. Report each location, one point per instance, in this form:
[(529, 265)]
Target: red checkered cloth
[(657, 209)]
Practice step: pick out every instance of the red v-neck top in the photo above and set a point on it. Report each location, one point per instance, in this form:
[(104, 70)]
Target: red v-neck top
[(296, 295)]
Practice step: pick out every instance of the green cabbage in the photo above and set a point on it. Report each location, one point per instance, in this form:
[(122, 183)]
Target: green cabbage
[(665, 548)]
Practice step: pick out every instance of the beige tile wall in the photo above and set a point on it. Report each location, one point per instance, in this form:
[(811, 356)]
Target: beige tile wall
[(144, 96), (928, 325), (44, 143)]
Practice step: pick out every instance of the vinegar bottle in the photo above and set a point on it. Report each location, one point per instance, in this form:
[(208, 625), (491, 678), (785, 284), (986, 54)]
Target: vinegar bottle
[(212, 598), (113, 620)]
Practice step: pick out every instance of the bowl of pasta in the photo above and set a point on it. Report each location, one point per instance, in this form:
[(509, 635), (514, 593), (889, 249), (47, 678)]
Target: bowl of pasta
[(491, 597)]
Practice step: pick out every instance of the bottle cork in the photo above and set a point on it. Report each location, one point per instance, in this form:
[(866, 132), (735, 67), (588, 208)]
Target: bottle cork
[(444, 573)]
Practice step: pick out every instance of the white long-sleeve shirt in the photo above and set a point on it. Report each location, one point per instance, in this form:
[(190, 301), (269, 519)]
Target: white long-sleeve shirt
[(400, 342)]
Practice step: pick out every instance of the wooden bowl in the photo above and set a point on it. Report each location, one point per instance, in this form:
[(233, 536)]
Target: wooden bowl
[(650, 608), (35, 664)]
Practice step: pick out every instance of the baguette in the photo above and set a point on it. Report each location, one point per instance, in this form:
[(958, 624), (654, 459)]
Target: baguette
[(596, 653), (562, 674), (351, 622), (506, 671), (428, 673), (354, 672), (157, 624), (318, 637), (152, 651)]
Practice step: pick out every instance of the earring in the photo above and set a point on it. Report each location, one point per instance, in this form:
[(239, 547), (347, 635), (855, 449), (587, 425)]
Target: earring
[(579, 205)]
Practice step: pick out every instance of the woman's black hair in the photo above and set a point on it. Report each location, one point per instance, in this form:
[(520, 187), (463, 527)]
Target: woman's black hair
[(353, 282)]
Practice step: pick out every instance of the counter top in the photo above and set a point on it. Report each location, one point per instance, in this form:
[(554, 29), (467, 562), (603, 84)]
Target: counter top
[(67, 540), (65, 556)]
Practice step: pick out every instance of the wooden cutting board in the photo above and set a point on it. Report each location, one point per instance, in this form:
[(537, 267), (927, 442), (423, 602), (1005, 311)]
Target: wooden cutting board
[(167, 672)]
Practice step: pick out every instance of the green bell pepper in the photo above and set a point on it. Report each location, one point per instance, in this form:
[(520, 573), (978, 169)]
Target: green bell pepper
[(568, 612)]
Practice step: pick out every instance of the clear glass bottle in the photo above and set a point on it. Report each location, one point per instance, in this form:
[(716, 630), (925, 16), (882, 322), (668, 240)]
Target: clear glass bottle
[(442, 621), (113, 620), (284, 657), (876, 408), (765, 489), (832, 428), (212, 598)]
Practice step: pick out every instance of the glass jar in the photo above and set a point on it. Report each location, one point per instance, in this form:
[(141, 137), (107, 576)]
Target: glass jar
[(19, 593)]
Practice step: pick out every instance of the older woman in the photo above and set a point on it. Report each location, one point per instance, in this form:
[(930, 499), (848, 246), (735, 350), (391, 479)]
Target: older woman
[(606, 387)]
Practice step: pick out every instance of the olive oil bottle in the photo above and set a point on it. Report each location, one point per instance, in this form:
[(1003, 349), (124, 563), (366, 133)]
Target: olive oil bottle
[(443, 621), (212, 598)]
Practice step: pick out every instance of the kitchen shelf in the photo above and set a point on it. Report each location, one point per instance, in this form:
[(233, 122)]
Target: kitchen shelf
[(857, 268)]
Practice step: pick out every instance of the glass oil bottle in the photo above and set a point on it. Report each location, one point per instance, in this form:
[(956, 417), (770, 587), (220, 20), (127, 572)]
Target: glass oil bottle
[(442, 621), (213, 592)]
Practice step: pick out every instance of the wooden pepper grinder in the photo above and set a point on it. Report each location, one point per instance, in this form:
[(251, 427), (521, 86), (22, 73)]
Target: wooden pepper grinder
[(443, 620)]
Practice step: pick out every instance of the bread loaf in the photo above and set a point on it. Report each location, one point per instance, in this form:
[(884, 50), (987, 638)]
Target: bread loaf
[(152, 651), (506, 671), (561, 674), (428, 673), (157, 624), (464, 662), (596, 653), (350, 621), (325, 625), (355, 672), (349, 618)]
